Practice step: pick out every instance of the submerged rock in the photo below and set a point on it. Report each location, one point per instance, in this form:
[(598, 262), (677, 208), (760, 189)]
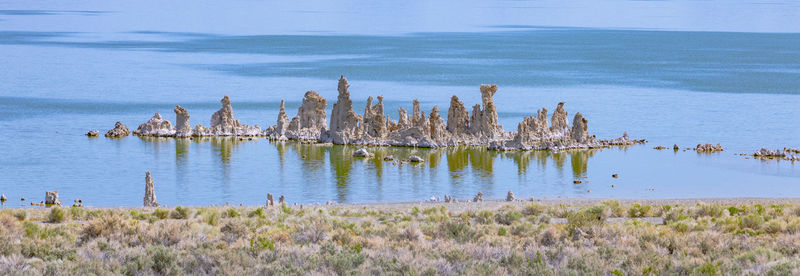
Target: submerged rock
[(415, 159), (119, 130), (388, 158), (149, 191), (155, 127), (361, 153)]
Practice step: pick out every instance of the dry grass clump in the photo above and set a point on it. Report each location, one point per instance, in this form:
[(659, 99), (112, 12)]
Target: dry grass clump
[(522, 239)]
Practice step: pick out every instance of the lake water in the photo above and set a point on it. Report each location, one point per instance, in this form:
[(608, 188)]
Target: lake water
[(672, 72)]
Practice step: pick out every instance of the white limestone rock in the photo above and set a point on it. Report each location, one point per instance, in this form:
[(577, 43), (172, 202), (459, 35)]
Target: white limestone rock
[(182, 126), (311, 121), (559, 124), (484, 121), (415, 159), (457, 117), (119, 130), (344, 121), (156, 126), (223, 123)]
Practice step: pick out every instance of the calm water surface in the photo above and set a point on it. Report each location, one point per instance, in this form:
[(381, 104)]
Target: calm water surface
[(673, 72)]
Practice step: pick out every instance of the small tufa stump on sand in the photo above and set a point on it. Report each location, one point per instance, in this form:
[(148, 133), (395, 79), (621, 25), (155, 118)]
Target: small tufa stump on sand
[(478, 197), (510, 196), (51, 198), (270, 201), (281, 199), (149, 191)]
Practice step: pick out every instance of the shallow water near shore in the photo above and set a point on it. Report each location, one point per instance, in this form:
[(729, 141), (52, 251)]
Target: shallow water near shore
[(73, 67)]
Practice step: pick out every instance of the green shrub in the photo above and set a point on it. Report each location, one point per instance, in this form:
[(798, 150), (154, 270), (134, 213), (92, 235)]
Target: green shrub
[(751, 221), (212, 217), (616, 208), (261, 244), (502, 231), (180, 213), (459, 231), (485, 217), (232, 213), (165, 260), (414, 211), (638, 210), (342, 261), (20, 215), (508, 217), (595, 215), (774, 226), (258, 212), (57, 215), (160, 213)]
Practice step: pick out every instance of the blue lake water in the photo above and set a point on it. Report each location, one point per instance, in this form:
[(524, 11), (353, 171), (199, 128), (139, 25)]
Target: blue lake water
[(672, 72)]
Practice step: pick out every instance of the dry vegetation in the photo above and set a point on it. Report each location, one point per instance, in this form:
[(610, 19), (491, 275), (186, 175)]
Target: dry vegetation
[(429, 239)]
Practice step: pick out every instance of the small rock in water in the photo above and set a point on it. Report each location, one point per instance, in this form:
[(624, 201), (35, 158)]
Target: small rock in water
[(675, 147), (388, 158), (93, 133), (589, 191), (119, 130), (510, 196), (478, 197), (612, 185), (51, 198), (22, 199), (615, 175), (361, 153), (415, 158), (659, 147), (577, 181)]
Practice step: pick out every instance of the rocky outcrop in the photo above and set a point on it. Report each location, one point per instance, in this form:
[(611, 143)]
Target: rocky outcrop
[(559, 124), (311, 122), (223, 123), (182, 126), (457, 117), (480, 128), (708, 147), (344, 121), (484, 121), (375, 125), (580, 130), (51, 198), (119, 130), (149, 192), (765, 152), (155, 127)]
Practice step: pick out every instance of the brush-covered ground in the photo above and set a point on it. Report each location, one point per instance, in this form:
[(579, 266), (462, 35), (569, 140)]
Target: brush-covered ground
[(541, 238)]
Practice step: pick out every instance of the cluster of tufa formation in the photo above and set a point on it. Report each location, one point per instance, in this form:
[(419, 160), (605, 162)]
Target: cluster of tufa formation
[(785, 154), (481, 127), (708, 147)]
